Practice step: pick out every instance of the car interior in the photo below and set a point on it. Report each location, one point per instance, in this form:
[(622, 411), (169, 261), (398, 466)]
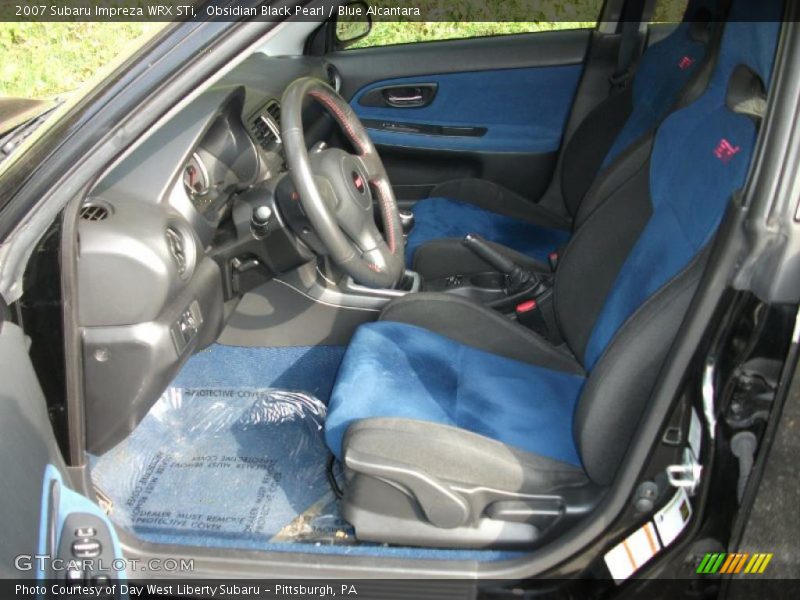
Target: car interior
[(408, 301)]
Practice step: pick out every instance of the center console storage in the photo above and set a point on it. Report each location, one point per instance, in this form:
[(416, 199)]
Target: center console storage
[(523, 295), (482, 287)]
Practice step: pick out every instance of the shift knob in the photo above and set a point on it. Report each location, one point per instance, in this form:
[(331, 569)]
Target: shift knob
[(260, 219), (406, 221), (261, 215)]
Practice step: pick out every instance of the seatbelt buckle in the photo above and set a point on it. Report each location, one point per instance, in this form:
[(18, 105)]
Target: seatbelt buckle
[(619, 80), (552, 258), (538, 314), (530, 315)]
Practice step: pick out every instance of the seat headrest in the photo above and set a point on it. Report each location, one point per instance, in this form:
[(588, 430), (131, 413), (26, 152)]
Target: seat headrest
[(749, 39)]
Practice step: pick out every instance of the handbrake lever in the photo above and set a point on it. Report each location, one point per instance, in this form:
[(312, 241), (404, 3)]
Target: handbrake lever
[(517, 278)]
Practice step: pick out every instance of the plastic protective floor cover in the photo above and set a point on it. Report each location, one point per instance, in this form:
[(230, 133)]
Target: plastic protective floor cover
[(239, 466), (244, 463)]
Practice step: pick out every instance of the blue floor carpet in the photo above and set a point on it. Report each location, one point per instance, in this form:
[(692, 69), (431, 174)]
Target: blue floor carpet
[(310, 369), (233, 456)]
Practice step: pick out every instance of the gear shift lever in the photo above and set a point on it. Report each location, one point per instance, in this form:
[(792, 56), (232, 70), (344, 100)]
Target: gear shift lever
[(517, 278), (406, 221)]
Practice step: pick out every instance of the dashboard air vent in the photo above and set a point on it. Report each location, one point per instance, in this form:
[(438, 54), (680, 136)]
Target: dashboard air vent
[(93, 211), (266, 125), (177, 249)]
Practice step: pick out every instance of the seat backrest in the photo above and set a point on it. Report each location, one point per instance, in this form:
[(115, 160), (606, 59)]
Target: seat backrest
[(629, 273), (663, 74), (665, 71)]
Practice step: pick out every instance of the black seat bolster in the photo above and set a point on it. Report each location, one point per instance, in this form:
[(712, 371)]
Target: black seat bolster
[(621, 170), (613, 401), (474, 325), (449, 256), (424, 483), (496, 198), (588, 145)]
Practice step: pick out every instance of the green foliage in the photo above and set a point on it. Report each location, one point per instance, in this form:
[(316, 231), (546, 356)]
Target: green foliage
[(45, 59), (385, 33), (478, 18)]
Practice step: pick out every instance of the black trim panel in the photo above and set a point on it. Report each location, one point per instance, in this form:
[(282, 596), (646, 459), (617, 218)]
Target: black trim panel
[(423, 128)]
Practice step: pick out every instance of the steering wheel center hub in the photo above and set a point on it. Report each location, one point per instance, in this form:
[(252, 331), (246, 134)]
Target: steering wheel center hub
[(358, 182)]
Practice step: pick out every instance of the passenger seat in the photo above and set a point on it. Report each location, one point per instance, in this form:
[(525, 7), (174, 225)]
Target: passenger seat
[(671, 73)]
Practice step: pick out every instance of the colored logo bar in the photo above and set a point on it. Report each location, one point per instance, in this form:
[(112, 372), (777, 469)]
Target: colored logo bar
[(734, 563)]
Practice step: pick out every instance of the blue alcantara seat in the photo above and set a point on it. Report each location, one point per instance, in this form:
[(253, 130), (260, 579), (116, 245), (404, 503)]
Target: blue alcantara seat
[(443, 411)]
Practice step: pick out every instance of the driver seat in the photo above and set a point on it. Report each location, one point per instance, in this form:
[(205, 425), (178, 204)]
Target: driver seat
[(459, 427)]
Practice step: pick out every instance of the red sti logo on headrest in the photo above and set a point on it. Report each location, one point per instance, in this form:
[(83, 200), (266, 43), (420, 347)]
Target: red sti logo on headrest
[(725, 151), (685, 63)]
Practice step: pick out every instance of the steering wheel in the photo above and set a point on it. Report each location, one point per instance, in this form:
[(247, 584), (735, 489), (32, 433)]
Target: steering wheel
[(336, 187)]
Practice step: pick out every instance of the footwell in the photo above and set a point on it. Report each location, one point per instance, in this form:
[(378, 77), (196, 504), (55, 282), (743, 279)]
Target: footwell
[(241, 463), (310, 369), (233, 456)]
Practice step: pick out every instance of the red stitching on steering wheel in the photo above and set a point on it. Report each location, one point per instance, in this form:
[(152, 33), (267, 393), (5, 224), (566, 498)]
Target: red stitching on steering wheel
[(387, 214), (385, 208), (340, 117)]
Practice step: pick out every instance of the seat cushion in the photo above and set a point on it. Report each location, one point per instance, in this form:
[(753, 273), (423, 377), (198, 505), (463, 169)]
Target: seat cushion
[(438, 218), (394, 369)]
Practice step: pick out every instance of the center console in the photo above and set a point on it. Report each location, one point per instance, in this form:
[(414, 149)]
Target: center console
[(273, 228), (521, 294)]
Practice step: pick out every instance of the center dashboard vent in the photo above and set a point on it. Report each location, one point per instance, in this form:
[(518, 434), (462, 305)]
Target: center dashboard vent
[(266, 126), (177, 248)]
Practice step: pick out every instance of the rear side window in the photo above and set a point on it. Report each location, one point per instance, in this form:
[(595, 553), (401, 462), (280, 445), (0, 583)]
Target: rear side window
[(669, 11), (460, 19)]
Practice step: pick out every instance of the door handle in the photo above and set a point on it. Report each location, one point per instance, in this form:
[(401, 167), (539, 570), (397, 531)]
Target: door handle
[(412, 95), (398, 100)]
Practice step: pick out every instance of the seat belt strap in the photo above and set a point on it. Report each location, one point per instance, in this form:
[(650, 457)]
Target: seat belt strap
[(629, 45)]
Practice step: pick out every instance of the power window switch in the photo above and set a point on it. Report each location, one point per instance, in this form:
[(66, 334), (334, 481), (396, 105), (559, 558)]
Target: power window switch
[(86, 548)]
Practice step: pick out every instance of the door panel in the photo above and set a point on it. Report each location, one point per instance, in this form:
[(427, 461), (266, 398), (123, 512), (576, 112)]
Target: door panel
[(27, 447), (513, 110), (493, 108), (41, 515)]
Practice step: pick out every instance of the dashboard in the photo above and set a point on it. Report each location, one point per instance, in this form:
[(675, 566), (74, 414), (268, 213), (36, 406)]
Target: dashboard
[(167, 244)]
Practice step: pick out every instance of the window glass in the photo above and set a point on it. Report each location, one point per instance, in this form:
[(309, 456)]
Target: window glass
[(669, 11), (41, 59), (458, 19)]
